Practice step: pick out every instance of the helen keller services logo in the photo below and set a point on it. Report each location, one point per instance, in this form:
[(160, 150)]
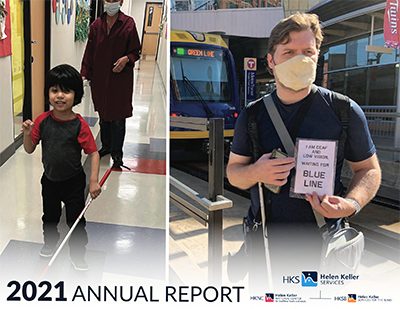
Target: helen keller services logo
[(309, 278), (312, 279)]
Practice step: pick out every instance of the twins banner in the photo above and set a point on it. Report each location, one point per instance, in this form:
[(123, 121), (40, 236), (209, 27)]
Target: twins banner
[(391, 24)]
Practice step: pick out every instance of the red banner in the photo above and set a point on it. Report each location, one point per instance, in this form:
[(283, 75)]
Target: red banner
[(391, 29), (5, 44)]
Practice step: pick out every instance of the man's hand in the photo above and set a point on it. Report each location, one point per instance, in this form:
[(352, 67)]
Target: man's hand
[(120, 64), (243, 174), (94, 189), (273, 171), (27, 127), (331, 206)]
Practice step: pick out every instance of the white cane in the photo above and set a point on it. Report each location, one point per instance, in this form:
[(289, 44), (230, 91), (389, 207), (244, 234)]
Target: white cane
[(265, 236), (103, 179)]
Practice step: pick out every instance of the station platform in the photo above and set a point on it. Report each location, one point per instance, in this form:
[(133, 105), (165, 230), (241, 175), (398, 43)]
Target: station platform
[(126, 224), (188, 245)]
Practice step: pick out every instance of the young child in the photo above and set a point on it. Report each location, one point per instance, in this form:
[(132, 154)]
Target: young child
[(63, 135)]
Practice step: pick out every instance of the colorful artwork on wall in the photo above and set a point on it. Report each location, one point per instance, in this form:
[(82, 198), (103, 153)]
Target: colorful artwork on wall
[(82, 20), (57, 11), (3, 16), (63, 10), (5, 29), (70, 10)]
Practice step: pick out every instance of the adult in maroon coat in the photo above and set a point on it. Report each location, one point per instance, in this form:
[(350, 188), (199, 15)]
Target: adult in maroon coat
[(111, 51)]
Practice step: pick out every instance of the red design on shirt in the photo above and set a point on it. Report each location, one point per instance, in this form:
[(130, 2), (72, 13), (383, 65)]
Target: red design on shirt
[(85, 137), (35, 134)]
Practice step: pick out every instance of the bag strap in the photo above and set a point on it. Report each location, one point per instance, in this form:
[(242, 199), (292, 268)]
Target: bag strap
[(286, 141), (287, 137), (279, 125)]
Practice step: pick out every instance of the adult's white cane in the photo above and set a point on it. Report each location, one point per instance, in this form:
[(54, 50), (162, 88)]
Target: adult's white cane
[(102, 181), (265, 236)]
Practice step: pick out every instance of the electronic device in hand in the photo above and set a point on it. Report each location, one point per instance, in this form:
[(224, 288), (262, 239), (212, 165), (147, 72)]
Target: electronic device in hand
[(276, 154)]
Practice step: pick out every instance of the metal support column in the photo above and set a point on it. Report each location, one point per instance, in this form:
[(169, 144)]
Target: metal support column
[(215, 187)]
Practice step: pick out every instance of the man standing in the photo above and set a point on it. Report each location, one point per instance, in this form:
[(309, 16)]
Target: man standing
[(293, 235), (111, 51)]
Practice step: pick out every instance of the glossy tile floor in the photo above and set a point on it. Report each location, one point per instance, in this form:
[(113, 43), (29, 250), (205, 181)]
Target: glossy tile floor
[(126, 224)]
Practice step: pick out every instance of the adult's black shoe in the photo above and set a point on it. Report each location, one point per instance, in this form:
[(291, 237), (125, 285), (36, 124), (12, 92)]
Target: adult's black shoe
[(103, 152), (117, 162)]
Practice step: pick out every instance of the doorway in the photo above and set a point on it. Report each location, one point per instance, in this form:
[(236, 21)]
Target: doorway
[(37, 23), (151, 28), (30, 59)]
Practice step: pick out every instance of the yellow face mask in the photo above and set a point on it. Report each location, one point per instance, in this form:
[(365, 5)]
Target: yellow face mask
[(296, 73)]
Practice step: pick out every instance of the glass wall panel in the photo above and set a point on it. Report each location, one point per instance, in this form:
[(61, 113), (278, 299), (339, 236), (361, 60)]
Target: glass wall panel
[(336, 57), (336, 82), (355, 53), (355, 85), (382, 85), (367, 86)]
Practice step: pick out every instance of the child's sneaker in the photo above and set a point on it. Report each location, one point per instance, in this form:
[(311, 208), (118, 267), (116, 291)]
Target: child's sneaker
[(47, 251), (79, 264)]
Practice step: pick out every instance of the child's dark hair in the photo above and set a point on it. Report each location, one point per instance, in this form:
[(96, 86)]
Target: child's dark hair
[(67, 78)]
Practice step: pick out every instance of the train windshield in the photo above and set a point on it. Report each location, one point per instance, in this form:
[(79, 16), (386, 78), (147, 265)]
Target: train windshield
[(199, 74)]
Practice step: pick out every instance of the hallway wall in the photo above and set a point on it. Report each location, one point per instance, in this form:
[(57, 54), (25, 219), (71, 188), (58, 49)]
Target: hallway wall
[(6, 112), (63, 48)]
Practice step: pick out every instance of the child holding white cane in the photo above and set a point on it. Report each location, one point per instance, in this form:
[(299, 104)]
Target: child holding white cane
[(64, 134)]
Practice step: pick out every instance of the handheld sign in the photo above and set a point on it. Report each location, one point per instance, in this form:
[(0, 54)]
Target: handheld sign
[(315, 166)]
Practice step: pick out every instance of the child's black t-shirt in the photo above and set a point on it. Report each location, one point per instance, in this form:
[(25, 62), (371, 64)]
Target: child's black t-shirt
[(62, 144)]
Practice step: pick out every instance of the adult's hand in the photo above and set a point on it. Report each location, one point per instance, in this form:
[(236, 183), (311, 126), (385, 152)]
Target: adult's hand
[(243, 174), (120, 64), (273, 171), (331, 206)]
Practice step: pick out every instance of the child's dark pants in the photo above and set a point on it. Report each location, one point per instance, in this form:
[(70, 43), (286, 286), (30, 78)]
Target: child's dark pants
[(71, 192)]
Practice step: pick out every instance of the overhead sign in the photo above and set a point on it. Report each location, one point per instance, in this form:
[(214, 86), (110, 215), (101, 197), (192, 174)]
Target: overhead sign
[(250, 64), (315, 166), (196, 52), (391, 30)]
